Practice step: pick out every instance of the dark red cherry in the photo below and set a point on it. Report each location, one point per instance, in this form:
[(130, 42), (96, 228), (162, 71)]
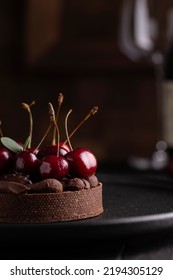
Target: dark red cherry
[(26, 162), (5, 159), (51, 150), (82, 162), (53, 167)]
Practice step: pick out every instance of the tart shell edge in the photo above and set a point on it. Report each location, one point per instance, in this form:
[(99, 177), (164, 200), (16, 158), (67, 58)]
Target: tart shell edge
[(51, 207)]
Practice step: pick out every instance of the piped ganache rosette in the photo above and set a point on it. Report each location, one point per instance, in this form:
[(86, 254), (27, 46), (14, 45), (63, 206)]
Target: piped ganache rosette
[(51, 183)]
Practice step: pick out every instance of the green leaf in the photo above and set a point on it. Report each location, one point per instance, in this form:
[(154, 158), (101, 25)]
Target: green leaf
[(11, 145)]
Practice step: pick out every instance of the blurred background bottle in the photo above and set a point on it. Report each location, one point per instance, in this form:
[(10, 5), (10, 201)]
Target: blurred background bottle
[(168, 100)]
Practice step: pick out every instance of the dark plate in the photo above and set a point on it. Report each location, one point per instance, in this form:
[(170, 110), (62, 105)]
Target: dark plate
[(133, 204)]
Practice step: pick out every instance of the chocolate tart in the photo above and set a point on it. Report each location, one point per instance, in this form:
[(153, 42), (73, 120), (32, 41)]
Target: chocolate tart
[(51, 183), (25, 207)]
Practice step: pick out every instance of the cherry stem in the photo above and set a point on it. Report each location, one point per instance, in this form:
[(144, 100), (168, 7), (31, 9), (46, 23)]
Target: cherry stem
[(66, 129), (47, 131), (28, 108), (60, 101), (1, 134), (91, 112), (52, 122)]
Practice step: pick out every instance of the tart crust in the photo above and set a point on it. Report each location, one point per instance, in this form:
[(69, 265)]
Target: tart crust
[(51, 207)]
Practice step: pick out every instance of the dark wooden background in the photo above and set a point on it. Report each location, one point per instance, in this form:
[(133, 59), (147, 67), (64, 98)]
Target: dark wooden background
[(70, 46)]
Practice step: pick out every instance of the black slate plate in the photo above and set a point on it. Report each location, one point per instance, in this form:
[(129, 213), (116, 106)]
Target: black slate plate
[(133, 204)]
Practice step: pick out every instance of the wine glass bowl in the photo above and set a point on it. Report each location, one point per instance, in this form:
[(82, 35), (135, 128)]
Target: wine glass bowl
[(145, 29)]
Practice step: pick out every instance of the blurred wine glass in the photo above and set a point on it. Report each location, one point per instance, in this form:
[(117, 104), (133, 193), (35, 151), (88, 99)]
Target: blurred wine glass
[(145, 34), (145, 29)]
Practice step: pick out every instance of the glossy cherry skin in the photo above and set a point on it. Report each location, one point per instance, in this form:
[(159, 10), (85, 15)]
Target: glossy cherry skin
[(5, 159), (51, 150), (53, 167), (82, 163), (65, 146), (26, 162)]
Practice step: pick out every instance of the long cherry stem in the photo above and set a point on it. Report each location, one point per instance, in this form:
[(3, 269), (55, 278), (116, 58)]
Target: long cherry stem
[(46, 133), (91, 112), (60, 101), (51, 116), (28, 108), (53, 120), (66, 129)]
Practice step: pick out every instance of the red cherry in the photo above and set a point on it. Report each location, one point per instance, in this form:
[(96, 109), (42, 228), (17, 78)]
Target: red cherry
[(51, 150), (5, 159), (53, 167), (26, 162), (82, 162)]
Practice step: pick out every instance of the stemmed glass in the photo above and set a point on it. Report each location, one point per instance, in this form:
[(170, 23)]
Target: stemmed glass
[(145, 33), (145, 29)]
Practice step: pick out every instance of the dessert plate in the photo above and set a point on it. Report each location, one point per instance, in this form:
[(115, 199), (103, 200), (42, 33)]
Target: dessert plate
[(134, 204)]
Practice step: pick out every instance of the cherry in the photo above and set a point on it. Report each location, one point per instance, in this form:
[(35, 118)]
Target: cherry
[(26, 162), (82, 163), (53, 166), (52, 150), (5, 159)]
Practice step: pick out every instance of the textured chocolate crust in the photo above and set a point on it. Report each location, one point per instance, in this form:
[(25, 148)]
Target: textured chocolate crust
[(51, 207)]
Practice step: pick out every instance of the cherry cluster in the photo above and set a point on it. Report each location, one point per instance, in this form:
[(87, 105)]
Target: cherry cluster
[(56, 160)]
